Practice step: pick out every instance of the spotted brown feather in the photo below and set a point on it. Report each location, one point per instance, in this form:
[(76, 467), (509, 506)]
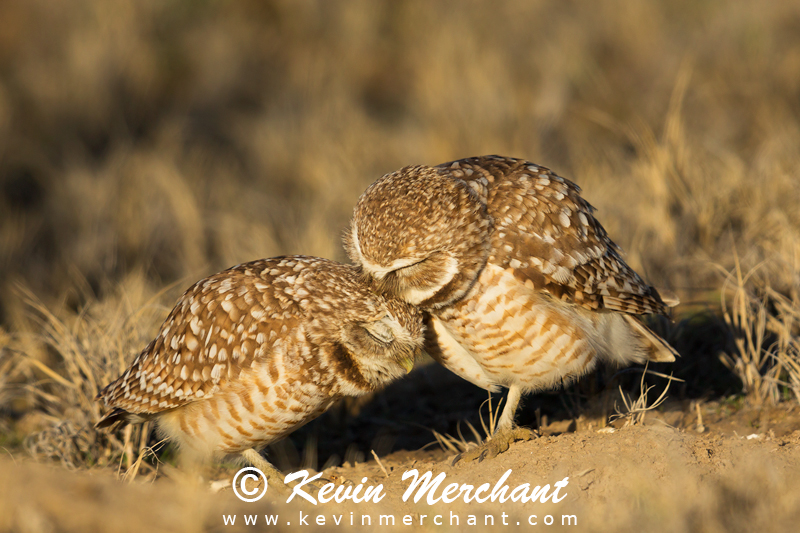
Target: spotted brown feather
[(522, 286), (548, 234), (250, 354)]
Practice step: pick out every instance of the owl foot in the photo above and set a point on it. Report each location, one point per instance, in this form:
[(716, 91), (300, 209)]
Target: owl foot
[(275, 480), (497, 444), (275, 485), (273, 476)]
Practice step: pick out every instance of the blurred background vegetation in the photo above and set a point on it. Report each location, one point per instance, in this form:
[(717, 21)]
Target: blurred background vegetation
[(145, 144)]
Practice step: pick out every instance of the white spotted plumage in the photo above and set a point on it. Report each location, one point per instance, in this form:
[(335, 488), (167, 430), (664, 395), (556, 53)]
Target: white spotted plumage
[(252, 353)]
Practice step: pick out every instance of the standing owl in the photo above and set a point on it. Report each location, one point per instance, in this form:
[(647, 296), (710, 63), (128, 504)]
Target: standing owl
[(252, 353), (521, 285)]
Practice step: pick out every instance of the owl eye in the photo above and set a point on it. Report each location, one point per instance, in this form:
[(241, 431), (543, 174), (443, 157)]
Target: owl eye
[(409, 268), (414, 267), (380, 330)]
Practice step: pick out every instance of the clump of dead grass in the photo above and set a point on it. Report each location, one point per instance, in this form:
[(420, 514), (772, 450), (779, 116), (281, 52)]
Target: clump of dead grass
[(7, 364), (67, 363), (765, 328), (635, 411)]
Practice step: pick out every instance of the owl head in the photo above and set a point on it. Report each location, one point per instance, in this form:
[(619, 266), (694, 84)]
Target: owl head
[(375, 338), (385, 347), (420, 235)]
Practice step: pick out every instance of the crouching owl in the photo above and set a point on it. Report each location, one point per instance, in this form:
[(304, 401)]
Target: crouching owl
[(252, 353)]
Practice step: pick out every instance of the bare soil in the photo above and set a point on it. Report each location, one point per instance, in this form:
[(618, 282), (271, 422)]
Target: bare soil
[(738, 474)]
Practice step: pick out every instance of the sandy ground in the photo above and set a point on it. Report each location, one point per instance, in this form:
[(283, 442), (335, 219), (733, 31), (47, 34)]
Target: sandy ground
[(739, 474)]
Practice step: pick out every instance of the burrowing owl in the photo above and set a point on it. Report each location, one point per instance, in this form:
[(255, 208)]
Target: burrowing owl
[(252, 353), (521, 285)]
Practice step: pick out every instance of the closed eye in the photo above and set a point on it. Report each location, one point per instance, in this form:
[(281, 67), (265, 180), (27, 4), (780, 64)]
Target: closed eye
[(380, 330), (420, 274), (408, 268), (432, 258)]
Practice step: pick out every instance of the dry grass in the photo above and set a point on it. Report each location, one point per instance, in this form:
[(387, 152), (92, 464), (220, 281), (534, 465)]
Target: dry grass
[(460, 443), (765, 326), (152, 143), (147, 144), (68, 362), (193, 138), (634, 411)]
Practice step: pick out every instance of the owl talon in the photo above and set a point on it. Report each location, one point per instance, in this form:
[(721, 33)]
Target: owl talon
[(497, 444)]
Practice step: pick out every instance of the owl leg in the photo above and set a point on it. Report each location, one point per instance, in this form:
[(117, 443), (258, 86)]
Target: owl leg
[(504, 434), (506, 421), (274, 476)]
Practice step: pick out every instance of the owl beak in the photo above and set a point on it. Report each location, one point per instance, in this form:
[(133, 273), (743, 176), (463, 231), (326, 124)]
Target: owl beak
[(407, 363)]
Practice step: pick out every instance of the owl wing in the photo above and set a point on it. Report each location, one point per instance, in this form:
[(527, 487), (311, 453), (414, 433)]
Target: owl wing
[(217, 329), (547, 233)]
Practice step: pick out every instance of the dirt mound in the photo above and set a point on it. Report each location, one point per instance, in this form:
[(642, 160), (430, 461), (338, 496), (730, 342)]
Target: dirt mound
[(654, 478)]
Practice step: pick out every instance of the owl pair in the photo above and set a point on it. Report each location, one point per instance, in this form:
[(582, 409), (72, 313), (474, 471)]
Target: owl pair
[(496, 266)]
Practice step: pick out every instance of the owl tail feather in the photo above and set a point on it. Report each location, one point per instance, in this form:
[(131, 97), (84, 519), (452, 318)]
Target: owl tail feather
[(122, 417), (656, 348), (669, 298), (111, 418)]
